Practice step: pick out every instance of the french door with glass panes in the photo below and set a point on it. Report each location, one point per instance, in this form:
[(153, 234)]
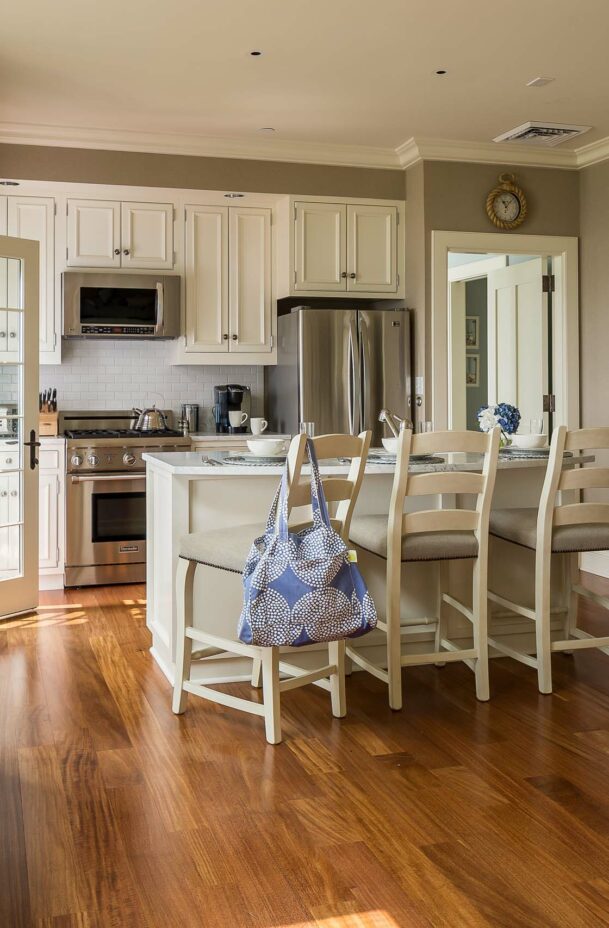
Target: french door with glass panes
[(19, 296)]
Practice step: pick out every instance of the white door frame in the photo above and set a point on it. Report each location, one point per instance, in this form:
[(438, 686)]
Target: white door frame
[(566, 311)]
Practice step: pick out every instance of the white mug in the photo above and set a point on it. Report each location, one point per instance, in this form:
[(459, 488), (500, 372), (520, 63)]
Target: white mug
[(258, 426), (237, 418)]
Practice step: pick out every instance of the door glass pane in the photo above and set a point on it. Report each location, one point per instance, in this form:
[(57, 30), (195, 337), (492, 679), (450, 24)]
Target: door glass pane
[(11, 419)]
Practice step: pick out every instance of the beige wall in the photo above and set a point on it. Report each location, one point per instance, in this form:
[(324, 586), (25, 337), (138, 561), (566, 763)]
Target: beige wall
[(594, 290), (87, 166)]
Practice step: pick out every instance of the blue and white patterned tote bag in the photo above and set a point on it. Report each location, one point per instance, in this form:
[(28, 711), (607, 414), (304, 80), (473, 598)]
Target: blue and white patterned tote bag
[(303, 587)]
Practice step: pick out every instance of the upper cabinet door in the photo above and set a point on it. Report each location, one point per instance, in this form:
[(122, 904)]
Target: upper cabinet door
[(34, 218), (94, 231), (250, 279), (207, 278), (320, 260), (147, 235), (372, 249)]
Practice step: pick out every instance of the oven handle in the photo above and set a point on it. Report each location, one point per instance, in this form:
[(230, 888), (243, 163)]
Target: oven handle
[(97, 478)]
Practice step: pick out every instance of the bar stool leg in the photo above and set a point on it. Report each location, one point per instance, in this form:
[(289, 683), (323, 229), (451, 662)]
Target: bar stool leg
[(257, 673), (439, 635), (185, 575), (571, 578), (336, 655), (272, 705), (542, 622), (480, 627)]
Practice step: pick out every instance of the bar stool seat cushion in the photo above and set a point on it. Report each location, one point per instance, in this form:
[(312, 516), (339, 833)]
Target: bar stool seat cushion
[(520, 527), (224, 548), (370, 533)]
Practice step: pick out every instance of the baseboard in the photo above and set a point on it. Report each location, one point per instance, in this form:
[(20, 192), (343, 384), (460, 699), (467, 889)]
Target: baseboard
[(596, 562), (50, 581)]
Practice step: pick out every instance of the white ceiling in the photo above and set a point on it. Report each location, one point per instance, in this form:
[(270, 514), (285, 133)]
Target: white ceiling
[(333, 73)]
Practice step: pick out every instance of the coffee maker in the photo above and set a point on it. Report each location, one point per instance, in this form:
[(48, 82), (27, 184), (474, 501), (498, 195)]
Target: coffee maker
[(228, 398)]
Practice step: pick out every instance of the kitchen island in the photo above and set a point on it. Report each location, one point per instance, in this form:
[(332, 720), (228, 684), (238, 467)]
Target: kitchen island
[(184, 494)]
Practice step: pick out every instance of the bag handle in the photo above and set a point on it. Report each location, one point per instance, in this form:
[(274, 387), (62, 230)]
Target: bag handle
[(279, 508)]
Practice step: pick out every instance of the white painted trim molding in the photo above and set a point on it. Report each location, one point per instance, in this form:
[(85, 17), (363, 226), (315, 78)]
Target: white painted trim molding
[(404, 156), (566, 320), (595, 562)]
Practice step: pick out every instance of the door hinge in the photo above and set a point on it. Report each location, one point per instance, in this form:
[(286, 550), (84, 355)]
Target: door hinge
[(66, 254), (67, 209), (295, 212), (175, 257), (54, 208), (548, 283), (295, 275), (397, 281), (57, 556), (175, 214), (272, 340), (397, 218), (54, 340), (549, 402), (58, 485)]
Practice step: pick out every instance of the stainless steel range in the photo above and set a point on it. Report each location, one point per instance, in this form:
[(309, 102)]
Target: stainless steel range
[(106, 495)]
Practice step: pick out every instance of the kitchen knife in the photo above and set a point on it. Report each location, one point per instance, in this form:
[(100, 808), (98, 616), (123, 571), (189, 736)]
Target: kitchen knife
[(54, 400)]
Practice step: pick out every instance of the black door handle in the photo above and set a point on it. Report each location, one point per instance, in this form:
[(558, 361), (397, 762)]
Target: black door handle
[(32, 444)]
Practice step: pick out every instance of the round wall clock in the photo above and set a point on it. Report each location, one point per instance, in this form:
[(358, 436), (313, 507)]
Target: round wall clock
[(506, 204)]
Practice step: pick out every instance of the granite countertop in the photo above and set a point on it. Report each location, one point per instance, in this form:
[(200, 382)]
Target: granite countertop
[(240, 436), (190, 464)]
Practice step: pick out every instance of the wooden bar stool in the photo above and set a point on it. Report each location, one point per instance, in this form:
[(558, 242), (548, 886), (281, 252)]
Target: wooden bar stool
[(558, 527), (227, 549), (432, 535)]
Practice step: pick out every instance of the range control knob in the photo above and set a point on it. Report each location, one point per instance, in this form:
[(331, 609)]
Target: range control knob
[(128, 458), (93, 460), (76, 460)]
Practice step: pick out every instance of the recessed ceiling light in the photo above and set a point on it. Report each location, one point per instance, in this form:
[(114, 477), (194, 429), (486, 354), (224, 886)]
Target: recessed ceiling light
[(256, 53), (267, 129), (441, 71), (234, 196), (540, 81), (9, 183)]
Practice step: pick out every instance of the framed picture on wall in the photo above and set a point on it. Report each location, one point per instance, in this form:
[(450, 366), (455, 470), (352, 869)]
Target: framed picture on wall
[(472, 370), (472, 332)]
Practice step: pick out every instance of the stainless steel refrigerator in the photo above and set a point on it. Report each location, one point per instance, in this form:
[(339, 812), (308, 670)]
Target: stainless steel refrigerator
[(338, 368)]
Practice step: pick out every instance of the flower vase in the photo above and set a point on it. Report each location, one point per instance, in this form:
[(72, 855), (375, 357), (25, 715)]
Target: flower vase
[(505, 441)]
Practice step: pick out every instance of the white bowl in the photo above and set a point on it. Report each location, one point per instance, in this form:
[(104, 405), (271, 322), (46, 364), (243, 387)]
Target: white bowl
[(529, 441), (268, 446), (390, 445)]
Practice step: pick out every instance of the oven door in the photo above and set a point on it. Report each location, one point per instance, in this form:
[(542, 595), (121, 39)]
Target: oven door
[(105, 519)]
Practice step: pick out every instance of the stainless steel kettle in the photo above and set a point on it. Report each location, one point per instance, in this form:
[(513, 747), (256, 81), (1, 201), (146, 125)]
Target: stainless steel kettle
[(149, 420)]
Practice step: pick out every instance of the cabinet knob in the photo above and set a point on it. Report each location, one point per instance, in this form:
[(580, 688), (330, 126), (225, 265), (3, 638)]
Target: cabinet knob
[(234, 337), (12, 335), (126, 251), (117, 251), (3, 493), (225, 336), (343, 274), (2, 334), (13, 492), (8, 460), (352, 276)]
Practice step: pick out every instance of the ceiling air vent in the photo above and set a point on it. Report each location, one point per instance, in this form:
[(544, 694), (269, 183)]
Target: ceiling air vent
[(544, 134)]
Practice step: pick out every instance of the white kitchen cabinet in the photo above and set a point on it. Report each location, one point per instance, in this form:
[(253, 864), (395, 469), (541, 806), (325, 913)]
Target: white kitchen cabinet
[(147, 235), (335, 249), (228, 289), (249, 248), (51, 510), (94, 231), (372, 248), (111, 233), (32, 218), (206, 268), (320, 246)]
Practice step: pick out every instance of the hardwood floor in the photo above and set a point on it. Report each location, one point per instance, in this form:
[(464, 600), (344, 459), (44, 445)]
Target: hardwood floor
[(451, 814)]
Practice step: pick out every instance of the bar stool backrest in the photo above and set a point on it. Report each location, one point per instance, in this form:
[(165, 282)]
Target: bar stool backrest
[(552, 511), (438, 483), (341, 492)]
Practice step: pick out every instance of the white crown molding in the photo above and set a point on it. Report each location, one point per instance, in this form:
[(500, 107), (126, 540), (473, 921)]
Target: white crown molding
[(414, 150), (277, 149), (254, 149), (593, 153)]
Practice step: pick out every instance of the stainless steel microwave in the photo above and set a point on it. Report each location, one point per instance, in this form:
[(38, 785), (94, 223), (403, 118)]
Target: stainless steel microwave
[(120, 305)]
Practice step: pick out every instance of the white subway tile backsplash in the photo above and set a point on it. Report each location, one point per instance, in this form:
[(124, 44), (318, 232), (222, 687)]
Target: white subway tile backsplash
[(117, 375)]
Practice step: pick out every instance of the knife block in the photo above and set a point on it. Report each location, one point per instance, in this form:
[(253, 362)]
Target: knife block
[(48, 423)]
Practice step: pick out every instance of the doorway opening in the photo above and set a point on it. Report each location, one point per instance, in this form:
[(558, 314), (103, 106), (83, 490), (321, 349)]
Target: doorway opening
[(504, 328)]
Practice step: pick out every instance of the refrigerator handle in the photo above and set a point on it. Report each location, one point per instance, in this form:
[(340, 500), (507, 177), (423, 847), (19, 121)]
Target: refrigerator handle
[(365, 399), (353, 389)]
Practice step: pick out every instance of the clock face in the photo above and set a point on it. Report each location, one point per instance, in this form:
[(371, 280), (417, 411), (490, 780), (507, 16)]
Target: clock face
[(506, 206)]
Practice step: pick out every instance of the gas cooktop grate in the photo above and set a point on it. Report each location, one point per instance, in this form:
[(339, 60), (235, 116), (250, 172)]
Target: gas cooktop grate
[(122, 433)]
